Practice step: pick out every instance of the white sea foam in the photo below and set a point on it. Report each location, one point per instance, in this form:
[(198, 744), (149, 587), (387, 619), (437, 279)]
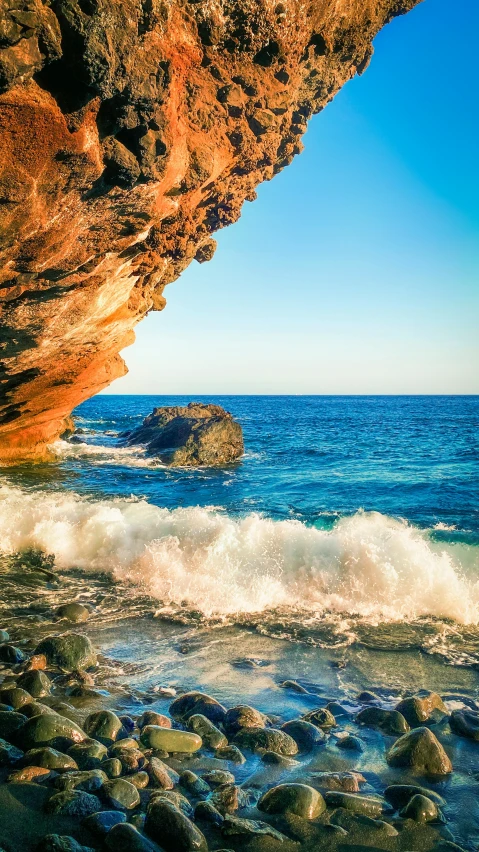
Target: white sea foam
[(100, 454), (368, 564)]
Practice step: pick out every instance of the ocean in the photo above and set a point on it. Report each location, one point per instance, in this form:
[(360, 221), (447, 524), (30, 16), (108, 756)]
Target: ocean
[(341, 553), (346, 514)]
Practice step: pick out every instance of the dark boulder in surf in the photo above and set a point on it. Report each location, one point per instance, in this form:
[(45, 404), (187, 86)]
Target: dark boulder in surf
[(195, 435)]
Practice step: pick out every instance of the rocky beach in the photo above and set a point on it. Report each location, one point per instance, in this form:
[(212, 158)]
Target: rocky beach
[(183, 772)]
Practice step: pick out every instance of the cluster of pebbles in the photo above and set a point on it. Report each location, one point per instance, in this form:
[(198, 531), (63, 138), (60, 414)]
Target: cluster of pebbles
[(181, 782)]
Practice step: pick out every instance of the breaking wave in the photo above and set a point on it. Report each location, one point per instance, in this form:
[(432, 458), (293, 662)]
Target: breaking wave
[(368, 565)]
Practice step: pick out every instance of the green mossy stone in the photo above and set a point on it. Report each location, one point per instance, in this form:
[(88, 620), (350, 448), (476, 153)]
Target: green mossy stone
[(15, 697), (37, 683), (121, 794), (112, 767), (299, 799), (49, 758), (421, 809), (422, 709), (320, 717), (388, 721), (269, 739), (103, 726), (197, 702), (170, 740), (51, 730), (421, 751), (211, 735), (70, 652), (74, 612), (88, 754)]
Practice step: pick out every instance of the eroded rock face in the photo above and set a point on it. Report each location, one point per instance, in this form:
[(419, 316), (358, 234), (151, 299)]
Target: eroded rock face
[(130, 131), (190, 436)]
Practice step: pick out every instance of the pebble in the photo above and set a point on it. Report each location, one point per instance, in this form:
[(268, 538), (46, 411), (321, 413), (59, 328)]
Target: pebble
[(69, 652), (121, 794), (36, 682), (170, 740), (299, 799), (270, 739), (306, 735), (126, 838), (88, 754), (197, 702), (211, 735), (388, 721), (420, 809), (321, 717)]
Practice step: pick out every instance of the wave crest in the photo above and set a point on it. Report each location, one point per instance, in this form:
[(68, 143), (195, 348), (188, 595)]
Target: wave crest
[(368, 565)]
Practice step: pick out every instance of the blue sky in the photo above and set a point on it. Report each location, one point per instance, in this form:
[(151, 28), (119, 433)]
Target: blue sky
[(357, 268)]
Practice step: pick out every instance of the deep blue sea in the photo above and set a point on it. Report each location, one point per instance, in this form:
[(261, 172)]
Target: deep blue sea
[(342, 552)]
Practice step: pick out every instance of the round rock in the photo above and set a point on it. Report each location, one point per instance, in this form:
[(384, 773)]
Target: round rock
[(170, 740), (421, 751), (70, 652), (269, 739), (299, 799)]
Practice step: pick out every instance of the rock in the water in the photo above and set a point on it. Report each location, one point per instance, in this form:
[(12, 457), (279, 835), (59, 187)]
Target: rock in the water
[(207, 730), (50, 730), (37, 683), (170, 740), (243, 716), (74, 612), (421, 751), (69, 652), (305, 734), (269, 739), (350, 743), (196, 435), (366, 805), (103, 726), (217, 777), (121, 794), (197, 702), (321, 717), (420, 809), (299, 799), (388, 721), (427, 708), (74, 803), (465, 723), (400, 794), (149, 717), (171, 829), (230, 752), (195, 785)]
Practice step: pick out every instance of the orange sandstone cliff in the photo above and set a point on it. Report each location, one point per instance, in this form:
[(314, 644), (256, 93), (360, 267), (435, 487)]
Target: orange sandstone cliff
[(130, 131)]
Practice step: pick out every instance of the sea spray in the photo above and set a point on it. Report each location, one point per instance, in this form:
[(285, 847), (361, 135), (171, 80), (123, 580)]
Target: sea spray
[(368, 564)]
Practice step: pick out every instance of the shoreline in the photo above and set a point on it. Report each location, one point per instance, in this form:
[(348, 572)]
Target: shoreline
[(351, 810)]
